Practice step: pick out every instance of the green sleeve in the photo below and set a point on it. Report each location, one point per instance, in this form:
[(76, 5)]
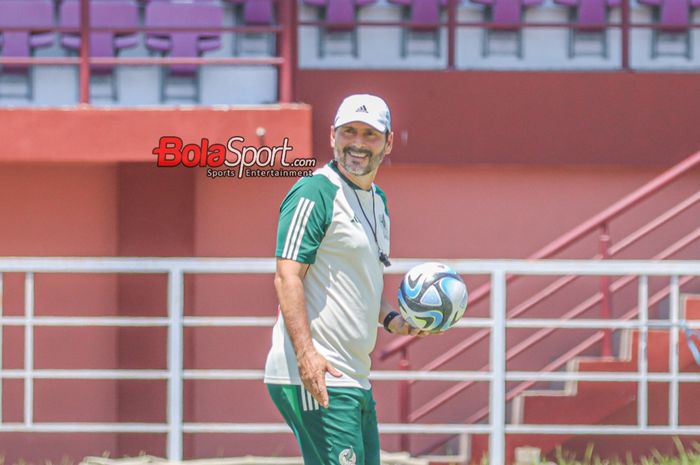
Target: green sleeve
[(305, 215)]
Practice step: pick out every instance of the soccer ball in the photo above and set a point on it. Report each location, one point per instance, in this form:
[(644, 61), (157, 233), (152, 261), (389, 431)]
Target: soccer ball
[(432, 297)]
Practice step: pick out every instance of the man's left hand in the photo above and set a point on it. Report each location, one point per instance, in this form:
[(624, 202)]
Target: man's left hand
[(401, 327)]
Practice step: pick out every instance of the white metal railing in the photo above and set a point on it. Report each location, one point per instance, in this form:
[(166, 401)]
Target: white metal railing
[(176, 268)]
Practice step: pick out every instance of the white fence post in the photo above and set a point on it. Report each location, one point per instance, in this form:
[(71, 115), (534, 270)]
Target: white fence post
[(175, 364), (29, 349), (674, 298), (1, 331), (642, 354), (497, 439)]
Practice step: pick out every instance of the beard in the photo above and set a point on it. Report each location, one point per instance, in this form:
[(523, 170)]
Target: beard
[(358, 166)]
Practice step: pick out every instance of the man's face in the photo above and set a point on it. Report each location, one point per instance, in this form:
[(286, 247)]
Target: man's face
[(359, 148)]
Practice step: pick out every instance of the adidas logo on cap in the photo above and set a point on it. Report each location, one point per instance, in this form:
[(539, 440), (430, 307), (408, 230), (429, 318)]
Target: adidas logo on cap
[(364, 108)]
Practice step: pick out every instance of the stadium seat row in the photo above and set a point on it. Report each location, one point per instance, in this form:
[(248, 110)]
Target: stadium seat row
[(336, 17), (38, 17)]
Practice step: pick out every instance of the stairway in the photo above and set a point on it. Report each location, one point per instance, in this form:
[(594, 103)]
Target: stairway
[(609, 403)]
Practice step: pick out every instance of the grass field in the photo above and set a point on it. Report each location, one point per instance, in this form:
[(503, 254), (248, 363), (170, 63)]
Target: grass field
[(684, 457)]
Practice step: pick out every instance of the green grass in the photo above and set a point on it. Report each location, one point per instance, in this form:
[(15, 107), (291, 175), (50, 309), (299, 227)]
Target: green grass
[(684, 457)]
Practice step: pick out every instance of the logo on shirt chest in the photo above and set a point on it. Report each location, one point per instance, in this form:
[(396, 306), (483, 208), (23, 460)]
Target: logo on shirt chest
[(347, 457)]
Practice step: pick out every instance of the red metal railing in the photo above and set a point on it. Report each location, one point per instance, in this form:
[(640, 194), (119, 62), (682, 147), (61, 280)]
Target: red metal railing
[(601, 222), (451, 33), (287, 44), (84, 51), (577, 311), (576, 351), (286, 33), (566, 240), (580, 348)]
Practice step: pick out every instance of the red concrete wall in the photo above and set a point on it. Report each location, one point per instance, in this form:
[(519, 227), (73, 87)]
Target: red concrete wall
[(156, 214), (557, 118), (60, 210), (234, 219), (84, 183), (108, 135)]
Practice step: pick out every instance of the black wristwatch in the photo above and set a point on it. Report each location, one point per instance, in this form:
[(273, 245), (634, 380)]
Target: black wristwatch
[(388, 318)]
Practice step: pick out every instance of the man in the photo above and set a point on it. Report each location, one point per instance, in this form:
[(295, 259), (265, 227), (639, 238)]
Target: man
[(332, 246)]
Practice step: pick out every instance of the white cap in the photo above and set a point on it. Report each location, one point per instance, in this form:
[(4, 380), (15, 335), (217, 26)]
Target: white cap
[(364, 108)]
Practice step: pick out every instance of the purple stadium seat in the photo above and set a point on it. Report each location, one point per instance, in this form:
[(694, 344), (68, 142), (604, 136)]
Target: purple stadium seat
[(673, 14), (258, 12), (37, 17), (338, 17), (507, 12), (674, 17), (255, 13), (508, 15), (162, 14), (590, 14), (424, 16), (103, 13), (591, 17)]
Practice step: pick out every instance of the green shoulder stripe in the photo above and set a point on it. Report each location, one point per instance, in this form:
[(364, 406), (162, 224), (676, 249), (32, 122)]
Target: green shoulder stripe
[(305, 215), (381, 194)]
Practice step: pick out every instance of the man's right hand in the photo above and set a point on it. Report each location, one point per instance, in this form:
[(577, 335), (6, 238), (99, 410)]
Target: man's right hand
[(312, 370), (312, 365)]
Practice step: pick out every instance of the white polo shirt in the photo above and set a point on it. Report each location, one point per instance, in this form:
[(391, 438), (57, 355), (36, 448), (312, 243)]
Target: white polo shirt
[(322, 224)]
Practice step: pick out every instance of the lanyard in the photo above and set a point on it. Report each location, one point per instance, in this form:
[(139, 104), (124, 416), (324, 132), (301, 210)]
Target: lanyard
[(382, 256)]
